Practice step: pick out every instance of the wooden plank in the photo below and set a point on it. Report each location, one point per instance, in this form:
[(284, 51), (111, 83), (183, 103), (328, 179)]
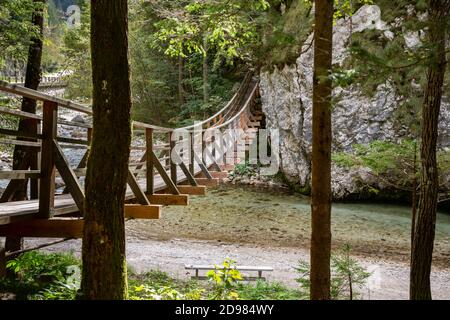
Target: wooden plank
[(150, 174), (173, 166), (36, 95), (208, 182), (19, 113), (191, 154), (243, 278), (75, 124), (147, 212), (134, 185), (240, 268), (20, 134), (203, 167), (44, 228), (188, 174), (215, 175), (169, 183), (73, 141), (69, 177), (193, 191), (20, 174), (48, 167), (20, 143), (169, 199)]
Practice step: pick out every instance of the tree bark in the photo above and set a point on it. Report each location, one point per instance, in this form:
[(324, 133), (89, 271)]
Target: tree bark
[(321, 154), (205, 72), (104, 261), (181, 91), (422, 251), (25, 158)]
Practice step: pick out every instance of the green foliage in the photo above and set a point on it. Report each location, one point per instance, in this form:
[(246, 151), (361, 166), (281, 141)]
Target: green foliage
[(56, 276), (78, 57), (225, 279), (346, 276), (384, 58), (284, 28), (380, 156), (155, 75), (346, 8), (244, 169), (392, 163), (263, 290), (226, 27), (16, 28), (40, 276)]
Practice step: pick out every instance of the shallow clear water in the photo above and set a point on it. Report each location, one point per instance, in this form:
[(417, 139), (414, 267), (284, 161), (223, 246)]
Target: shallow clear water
[(245, 215)]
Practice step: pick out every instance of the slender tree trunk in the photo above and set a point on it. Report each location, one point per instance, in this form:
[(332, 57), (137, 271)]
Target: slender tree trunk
[(414, 199), (181, 91), (321, 154), (205, 72), (104, 262), (422, 251), (25, 158)]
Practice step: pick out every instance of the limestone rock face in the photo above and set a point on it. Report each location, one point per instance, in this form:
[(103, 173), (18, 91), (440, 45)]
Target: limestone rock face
[(286, 96)]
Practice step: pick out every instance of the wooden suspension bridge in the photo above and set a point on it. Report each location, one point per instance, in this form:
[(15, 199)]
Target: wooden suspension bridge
[(154, 180)]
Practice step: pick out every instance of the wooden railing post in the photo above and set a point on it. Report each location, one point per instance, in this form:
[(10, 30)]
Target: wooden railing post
[(173, 165), (149, 161), (204, 146), (35, 161), (48, 168), (192, 153)]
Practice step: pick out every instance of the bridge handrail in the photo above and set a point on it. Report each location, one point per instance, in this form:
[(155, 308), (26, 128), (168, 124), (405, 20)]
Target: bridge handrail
[(242, 110), (39, 96), (242, 87)]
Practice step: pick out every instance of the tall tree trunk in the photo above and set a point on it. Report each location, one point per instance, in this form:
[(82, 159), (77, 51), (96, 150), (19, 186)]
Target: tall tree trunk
[(422, 251), (321, 154), (104, 262), (25, 158), (181, 91), (414, 197), (205, 72)]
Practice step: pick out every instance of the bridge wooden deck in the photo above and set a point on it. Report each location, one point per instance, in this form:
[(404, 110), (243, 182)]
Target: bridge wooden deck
[(167, 164)]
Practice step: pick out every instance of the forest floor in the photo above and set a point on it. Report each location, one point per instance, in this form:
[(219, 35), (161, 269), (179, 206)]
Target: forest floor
[(272, 229)]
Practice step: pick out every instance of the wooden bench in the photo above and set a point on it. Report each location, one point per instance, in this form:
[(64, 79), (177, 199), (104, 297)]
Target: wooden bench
[(199, 268)]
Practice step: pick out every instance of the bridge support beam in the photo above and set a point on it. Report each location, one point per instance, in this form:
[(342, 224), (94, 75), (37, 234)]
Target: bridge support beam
[(205, 182), (214, 174), (169, 199), (193, 191), (144, 212), (44, 228)]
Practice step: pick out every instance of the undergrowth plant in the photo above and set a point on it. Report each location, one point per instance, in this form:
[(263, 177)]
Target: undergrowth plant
[(225, 280), (347, 275), (41, 276)]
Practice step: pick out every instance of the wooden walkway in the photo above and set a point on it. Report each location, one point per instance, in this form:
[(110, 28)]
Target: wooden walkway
[(154, 180)]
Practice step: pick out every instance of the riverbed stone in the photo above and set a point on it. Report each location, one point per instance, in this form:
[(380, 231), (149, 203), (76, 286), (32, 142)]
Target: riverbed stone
[(79, 119)]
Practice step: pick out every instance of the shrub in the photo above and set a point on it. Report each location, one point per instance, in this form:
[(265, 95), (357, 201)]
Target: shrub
[(225, 279), (346, 276), (44, 276)]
